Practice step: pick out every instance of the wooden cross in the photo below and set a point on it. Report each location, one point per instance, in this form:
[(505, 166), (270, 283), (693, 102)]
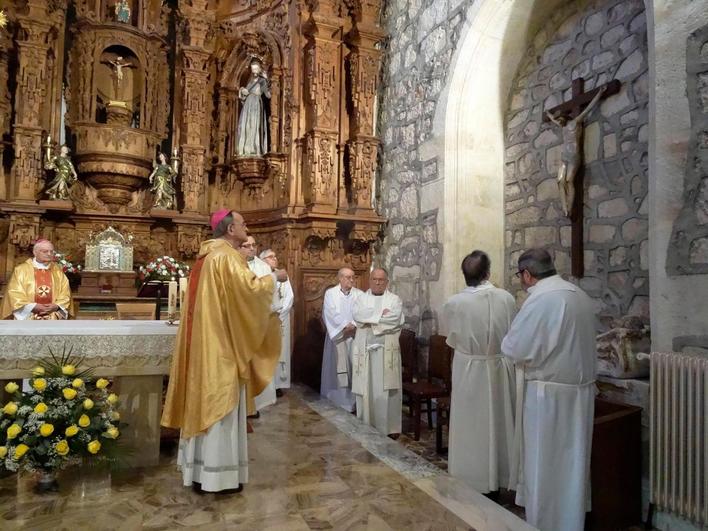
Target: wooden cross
[(572, 112)]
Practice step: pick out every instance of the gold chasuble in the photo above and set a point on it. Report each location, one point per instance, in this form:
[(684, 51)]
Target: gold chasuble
[(43, 286), (227, 338)]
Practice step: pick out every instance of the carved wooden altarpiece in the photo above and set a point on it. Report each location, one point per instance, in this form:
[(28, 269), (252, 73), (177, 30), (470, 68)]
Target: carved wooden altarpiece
[(167, 76)]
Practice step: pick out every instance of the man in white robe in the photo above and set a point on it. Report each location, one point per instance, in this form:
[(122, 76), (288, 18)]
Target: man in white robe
[(248, 249), (376, 356), (337, 309), (482, 405), (552, 342), (282, 303)]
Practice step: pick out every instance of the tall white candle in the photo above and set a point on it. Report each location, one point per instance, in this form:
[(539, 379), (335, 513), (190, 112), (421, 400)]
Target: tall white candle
[(172, 299), (182, 293)]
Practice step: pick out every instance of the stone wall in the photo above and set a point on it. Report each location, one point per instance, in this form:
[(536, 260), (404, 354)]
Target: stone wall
[(598, 41), (423, 36), (688, 251)]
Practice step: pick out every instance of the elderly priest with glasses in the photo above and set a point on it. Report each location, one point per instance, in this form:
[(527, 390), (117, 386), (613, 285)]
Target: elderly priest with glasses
[(38, 288), (552, 343)]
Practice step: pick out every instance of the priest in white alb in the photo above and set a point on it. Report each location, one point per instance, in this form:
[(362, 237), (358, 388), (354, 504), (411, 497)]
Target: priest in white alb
[(282, 303), (552, 343), (267, 398), (336, 384), (227, 339), (376, 356), (482, 405)]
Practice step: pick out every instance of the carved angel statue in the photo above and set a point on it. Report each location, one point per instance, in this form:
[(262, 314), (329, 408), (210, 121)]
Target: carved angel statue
[(162, 180), (122, 11), (253, 122), (64, 173), (572, 154)]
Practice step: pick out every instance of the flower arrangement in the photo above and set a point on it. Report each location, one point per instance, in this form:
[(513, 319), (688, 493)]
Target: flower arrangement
[(64, 261), (65, 416), (163, 268)]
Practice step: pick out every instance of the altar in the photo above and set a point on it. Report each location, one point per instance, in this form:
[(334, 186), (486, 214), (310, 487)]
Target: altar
[(136, 355)]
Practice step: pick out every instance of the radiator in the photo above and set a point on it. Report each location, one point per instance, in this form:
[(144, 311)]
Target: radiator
[(679, 435)]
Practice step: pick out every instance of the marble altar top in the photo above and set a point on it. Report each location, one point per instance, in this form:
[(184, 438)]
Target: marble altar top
[(115, 348), (86, 328)]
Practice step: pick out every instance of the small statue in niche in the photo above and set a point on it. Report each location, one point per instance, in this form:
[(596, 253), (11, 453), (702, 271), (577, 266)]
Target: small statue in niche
[(253, 122), (64, 172), (162, 180), (122, 11)]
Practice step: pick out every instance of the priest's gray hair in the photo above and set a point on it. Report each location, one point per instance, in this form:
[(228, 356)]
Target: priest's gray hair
[(223, 226), (538, 263), (475, 268), (340, 273), (265, 253), (380, 269)]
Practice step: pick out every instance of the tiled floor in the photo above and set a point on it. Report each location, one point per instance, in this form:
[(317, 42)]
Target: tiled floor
[(312, 467)]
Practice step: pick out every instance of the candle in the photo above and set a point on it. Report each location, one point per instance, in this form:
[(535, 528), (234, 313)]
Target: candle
[(172, 299), (182, 294)]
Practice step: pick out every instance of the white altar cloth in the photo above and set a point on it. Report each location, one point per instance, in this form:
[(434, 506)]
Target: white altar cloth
[(134, 354), (112, 348)]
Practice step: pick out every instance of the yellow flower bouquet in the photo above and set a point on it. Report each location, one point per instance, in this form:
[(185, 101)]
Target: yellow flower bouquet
[(65, 417)]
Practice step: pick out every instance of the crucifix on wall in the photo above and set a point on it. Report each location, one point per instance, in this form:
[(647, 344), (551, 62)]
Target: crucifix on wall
[(569, 117)]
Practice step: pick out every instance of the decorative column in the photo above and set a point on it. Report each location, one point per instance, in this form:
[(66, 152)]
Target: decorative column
[(321, 169), (5, 106), (194, 136), (364, 65), (30, 99)]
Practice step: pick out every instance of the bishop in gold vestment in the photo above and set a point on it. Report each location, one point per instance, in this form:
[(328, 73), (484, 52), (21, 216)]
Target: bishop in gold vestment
[(228, 337), (38, 288)]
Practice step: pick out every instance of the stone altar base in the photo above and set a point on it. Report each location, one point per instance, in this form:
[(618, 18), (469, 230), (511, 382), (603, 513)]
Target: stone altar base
[(135, 355), (108, 283)]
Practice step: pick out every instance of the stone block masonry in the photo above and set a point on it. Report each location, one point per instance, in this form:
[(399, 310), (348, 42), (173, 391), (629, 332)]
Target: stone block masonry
[(424, 35), (598, 41)]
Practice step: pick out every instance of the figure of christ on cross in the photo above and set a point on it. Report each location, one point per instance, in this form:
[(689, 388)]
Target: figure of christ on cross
[(569, 117)]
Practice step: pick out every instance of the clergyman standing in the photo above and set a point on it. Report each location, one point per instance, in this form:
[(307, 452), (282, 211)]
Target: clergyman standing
[(552, 342), (482, 405)]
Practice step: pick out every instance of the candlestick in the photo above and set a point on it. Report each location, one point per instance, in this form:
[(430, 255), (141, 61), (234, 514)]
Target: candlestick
[(172, 300)]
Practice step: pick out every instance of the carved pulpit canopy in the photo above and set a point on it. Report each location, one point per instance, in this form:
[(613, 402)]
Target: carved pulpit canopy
[(109, 250)]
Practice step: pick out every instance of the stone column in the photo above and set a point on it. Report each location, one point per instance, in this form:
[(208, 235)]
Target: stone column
[(364, 65), (323, 71)]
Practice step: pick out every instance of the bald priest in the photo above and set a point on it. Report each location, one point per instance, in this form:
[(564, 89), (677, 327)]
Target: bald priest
[(38, 288)]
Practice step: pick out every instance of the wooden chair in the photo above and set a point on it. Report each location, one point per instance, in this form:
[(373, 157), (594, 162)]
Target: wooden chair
[(437, 385), (442, 417), (409, 354), (136, 311)]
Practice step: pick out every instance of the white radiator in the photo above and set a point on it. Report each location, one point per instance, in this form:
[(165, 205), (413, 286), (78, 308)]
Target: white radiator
[(679, 435)]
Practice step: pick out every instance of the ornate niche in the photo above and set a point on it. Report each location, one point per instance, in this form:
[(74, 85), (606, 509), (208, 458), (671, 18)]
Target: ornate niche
[(118, 99), (251, 103)]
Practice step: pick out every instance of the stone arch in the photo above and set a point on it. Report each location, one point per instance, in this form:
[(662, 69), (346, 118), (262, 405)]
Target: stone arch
[(472, 121)]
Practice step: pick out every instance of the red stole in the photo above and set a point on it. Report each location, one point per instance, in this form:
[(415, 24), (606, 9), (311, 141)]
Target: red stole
[(42, 286)]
